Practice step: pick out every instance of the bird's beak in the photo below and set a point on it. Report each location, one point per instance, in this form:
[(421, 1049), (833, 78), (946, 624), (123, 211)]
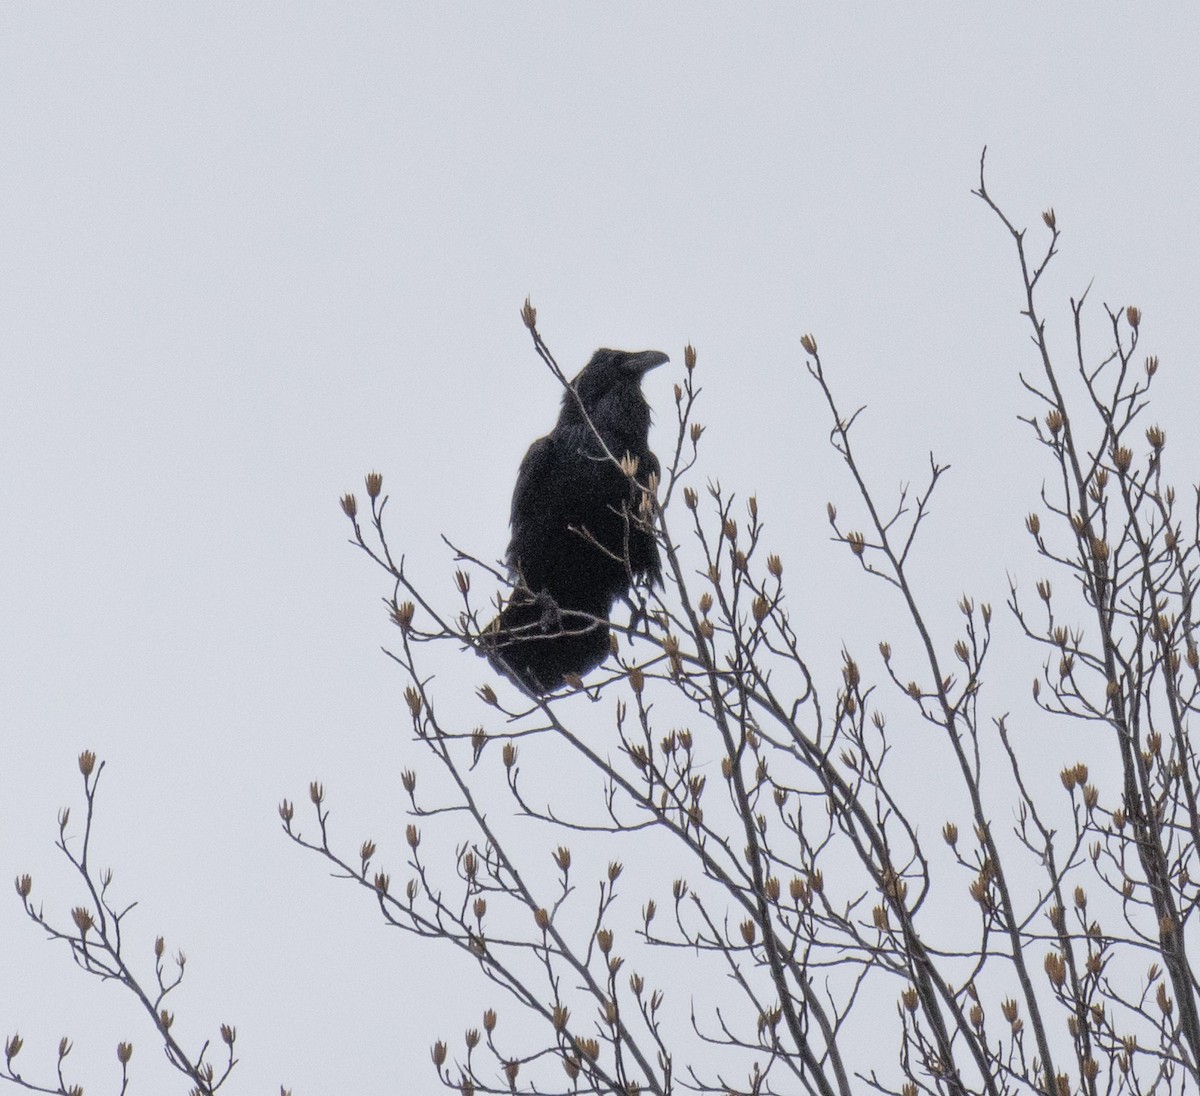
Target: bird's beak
[(646, 360)]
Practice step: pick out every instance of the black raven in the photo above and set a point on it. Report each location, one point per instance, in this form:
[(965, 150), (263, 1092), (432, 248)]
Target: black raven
[(578, 542)]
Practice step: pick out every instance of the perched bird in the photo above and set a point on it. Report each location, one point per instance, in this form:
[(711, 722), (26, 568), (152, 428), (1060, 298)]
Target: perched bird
[(578, 542)]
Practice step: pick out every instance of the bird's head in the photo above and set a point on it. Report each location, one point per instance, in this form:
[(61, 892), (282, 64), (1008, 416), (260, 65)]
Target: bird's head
[(615, 370)]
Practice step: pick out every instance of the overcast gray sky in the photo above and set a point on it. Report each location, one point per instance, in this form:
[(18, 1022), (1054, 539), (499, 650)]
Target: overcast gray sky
[(251, 251)]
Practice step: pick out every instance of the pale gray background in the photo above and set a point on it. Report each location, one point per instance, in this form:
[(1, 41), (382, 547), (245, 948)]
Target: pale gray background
[(252, 251)]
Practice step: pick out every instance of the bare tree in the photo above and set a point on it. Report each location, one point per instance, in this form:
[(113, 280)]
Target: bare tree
[(96, 939), (1033, 958), (809, 936)]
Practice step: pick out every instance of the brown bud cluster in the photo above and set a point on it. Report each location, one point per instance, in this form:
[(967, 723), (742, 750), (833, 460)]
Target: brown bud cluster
[(413, 699), (1056, 969), (402, 614), (1074, 776)]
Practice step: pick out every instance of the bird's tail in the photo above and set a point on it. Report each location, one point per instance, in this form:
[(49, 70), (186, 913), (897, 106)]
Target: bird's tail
[(537, 642)]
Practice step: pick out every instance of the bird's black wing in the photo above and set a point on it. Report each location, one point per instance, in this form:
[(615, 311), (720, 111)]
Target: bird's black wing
[(536, 504)]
